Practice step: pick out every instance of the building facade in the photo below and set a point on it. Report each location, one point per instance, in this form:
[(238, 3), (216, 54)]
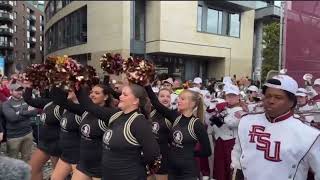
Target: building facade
[(266, 12), (183, 38), (21, 27)]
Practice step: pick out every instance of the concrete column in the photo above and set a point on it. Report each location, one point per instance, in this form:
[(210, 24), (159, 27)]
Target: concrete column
[(257, 61)]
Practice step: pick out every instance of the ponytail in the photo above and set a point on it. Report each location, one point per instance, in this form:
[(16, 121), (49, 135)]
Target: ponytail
[(199, 104), (144, 102)]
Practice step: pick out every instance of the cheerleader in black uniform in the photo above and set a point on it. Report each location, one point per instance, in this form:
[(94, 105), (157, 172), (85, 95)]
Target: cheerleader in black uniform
[(128, 143), (69, 135), (161, 129), (48, 146), (187, 130), (91, 131)]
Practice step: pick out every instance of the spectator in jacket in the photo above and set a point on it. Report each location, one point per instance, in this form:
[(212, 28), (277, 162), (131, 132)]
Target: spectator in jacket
[(18, 125)]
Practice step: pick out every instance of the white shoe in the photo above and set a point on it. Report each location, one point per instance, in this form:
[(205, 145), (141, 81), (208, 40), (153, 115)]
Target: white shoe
[(205, 178)]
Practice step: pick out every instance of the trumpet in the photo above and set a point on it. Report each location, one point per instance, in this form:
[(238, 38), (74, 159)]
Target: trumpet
[(307, 78), (218, 88), (307, 113)]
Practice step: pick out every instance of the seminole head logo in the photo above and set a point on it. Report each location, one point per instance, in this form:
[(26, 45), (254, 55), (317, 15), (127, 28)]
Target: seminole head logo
[(177, 137), (155, 127), (43, 117), (63, 123), (107, 136), (85, 130)]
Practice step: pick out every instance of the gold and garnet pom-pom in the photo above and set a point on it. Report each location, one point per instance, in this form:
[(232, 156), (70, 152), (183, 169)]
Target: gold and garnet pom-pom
[(37, 74), (138, 70), (112, 63), (61, 72)]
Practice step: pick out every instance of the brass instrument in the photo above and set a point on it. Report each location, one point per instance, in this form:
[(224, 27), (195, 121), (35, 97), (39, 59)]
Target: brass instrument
[(218, 88), (308, 84), (307, 78)]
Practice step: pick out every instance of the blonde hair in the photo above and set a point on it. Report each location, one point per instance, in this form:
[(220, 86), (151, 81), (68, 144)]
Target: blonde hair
[(199, 104)]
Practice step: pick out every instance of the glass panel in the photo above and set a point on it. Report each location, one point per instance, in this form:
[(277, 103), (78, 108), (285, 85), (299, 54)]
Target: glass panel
[(234, 29), (212, 21), (220, 20), (59, 5), (199, 21)]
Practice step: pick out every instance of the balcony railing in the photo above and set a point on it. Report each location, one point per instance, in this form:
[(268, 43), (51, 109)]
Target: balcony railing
[(32, 17), (6, 4), (6, 16), (32, 28), (6, 44), (6, 31), (32, 39)]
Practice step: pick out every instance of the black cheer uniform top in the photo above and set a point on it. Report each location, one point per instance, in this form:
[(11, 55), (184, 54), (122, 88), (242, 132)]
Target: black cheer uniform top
[(50, 117), (128, 143), (185, 133), (161, 128), (129, 146), (69, 128), (91, 132)]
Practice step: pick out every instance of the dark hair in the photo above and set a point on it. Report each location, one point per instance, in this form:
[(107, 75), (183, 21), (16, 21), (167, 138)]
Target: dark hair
[(292, 97), (106, 91), (144, 103)]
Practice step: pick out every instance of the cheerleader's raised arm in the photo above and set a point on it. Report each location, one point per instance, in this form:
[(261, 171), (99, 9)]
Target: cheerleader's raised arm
[(103, 113)]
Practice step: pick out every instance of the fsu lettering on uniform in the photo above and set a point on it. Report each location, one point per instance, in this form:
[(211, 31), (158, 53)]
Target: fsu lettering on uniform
[(264, 144)]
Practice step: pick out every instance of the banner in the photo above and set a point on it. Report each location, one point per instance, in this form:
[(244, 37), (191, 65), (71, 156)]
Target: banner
[(301, 50), (1, 65)]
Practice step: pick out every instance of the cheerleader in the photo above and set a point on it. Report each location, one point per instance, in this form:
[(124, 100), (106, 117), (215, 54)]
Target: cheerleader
[(128, 142), (48, 146), (91, 129), (161, 129), (186, 131), (69, 135)]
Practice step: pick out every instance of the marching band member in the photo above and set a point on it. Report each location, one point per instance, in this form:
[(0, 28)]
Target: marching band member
[(315, 101), (225, 129), (128, 142), (302, 103), (268, 139), (48, 146), (186, 131), (254, 102)]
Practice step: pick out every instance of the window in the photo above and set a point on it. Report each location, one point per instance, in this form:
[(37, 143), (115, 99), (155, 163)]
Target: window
[(68, 31), (218, 21), (24, 44), (28, 45), (28, 34), (58, 5), (15, 15), (234, 25), (15, 41), (40, 48), (28, 10), (15, 28), (199, 18), (139, 20), (15, 3), (28, 23), (40, 38)]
